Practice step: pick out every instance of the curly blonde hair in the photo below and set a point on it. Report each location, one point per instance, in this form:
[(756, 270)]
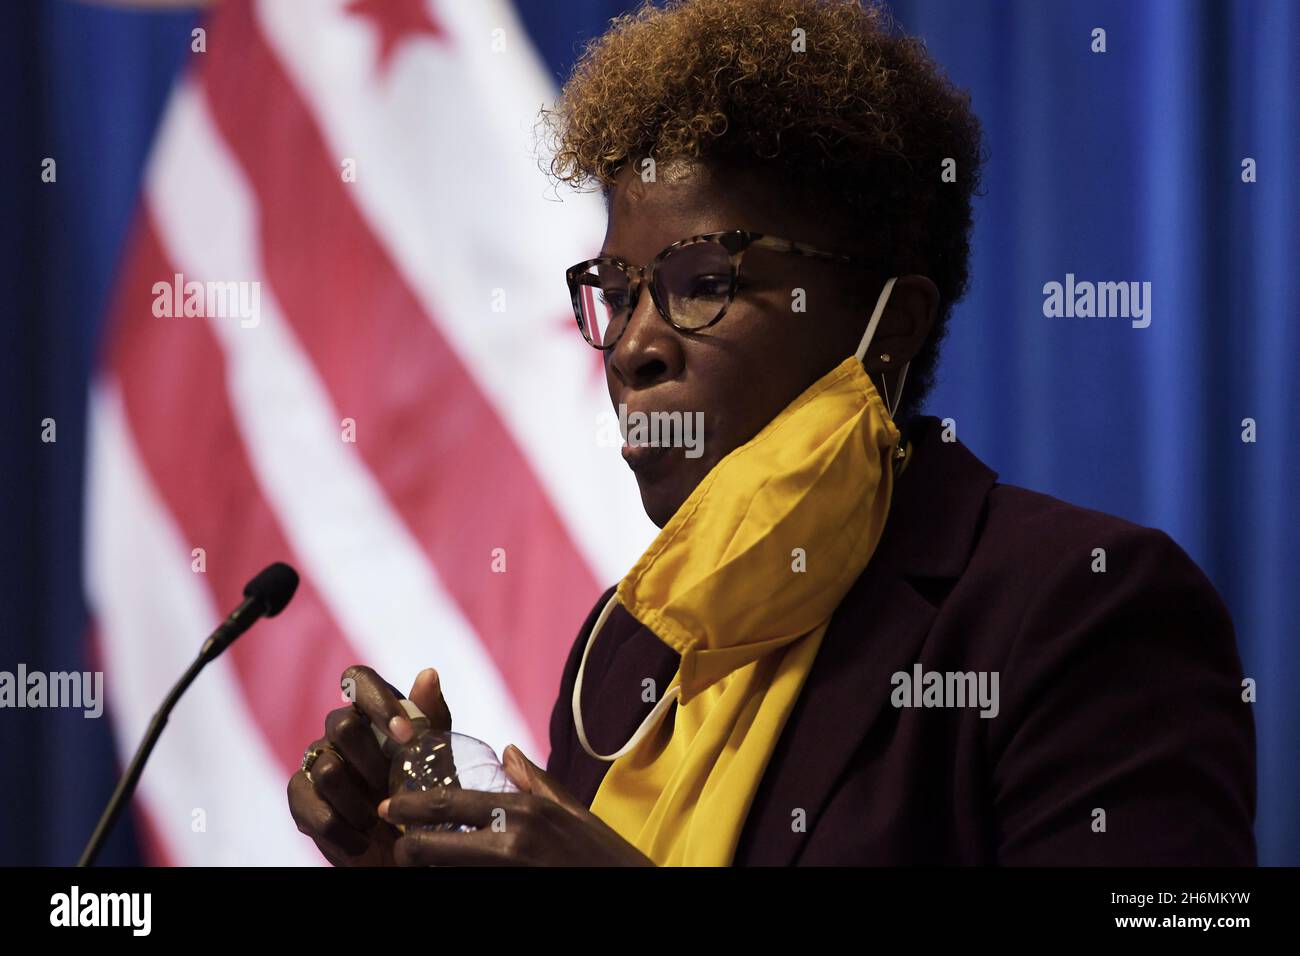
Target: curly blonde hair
[(860, 119)]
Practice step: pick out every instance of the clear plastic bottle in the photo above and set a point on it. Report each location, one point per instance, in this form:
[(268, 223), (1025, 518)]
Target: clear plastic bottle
[(439, 758)]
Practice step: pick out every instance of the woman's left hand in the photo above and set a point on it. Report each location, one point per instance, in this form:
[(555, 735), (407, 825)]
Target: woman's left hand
[(544, 825)]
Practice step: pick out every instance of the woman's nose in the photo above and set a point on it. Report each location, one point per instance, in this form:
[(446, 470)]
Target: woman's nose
[(650, 350)]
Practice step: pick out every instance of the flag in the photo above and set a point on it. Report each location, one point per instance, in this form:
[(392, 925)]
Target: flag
[(341, 338)]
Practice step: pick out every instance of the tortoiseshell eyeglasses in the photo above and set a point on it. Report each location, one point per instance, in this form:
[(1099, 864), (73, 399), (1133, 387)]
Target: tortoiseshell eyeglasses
[(692, 282)]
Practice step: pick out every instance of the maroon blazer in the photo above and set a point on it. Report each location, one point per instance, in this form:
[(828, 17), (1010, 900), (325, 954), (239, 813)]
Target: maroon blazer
[(1119, 695)]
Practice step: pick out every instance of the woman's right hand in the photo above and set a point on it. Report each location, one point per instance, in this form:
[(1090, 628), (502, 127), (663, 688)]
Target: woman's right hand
[(335, 804)]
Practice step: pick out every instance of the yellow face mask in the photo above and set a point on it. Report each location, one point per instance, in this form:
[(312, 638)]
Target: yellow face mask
[(742, 582)]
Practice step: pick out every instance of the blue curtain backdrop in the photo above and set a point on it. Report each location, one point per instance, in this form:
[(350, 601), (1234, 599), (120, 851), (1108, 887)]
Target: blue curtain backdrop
[(1115, 166)]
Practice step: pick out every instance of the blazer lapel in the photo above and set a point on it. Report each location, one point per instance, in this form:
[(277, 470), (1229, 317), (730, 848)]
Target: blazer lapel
[(846, 690), (625, 655), (877, 630)]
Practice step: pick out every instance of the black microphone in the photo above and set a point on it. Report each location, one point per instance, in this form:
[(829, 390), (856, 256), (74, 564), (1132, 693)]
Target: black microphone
[(264, 596)]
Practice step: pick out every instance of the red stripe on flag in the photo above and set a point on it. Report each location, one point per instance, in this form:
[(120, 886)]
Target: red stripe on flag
[(445, 459), (173, 379), (153, 848)]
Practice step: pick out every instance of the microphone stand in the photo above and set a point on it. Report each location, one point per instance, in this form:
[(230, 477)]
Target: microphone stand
[(126, 786), (264, 596)]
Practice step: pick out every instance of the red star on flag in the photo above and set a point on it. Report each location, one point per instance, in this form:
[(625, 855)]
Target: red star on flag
[(398, 21)]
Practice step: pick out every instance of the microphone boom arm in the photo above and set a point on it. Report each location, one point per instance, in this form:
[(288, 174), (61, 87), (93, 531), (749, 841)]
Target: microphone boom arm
[(264, 596)]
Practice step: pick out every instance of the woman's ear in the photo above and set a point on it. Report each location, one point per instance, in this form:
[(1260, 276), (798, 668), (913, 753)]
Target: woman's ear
[(909, 317)]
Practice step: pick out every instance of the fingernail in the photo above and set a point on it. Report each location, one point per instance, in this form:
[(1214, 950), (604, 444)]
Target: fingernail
[(400, 729), (383, 809), (514, 759)]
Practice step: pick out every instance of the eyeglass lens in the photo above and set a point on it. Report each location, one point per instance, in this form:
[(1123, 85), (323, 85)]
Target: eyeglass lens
[(692, 284)]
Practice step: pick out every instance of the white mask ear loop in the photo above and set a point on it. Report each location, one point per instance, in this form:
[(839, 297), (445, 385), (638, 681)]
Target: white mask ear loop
[(654, 715), (868, 335), (875, 318)]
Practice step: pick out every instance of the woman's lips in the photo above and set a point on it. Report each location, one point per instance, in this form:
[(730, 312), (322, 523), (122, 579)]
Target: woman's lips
[(644, 458), (656, 440)]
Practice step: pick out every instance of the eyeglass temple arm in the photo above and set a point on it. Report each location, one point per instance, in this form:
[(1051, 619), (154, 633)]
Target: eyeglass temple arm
[(799, 248)]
